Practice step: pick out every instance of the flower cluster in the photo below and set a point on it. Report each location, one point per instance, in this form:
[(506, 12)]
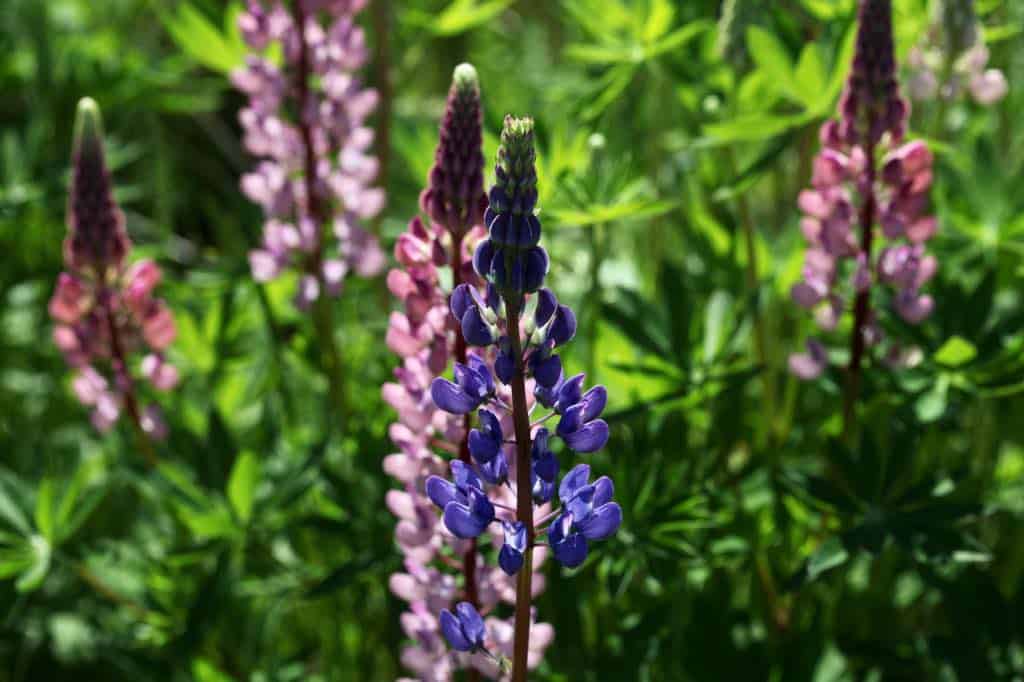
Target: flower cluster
[(516, 357), (315, 170), (427, 338), (953, 58), (865, 177), (105, 309)]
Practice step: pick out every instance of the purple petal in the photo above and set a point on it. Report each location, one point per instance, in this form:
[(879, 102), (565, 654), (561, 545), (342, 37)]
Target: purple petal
[(450, 398), (510, 560), (546, 306), (461, 522), (453, 632), (604, 490), (564, 326), (547, 371), (572, 551), (573, 481), (594, 401), (461, 300), (590, 437), (602, 522), (475, 328), (440, 491), (472, 623)]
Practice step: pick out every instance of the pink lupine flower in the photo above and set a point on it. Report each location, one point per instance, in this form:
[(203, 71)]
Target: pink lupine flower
[(867, 184), (105, 310), (314, 179)]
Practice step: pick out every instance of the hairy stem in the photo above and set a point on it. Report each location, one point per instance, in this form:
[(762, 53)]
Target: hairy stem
[(323, 312), (524, 499)]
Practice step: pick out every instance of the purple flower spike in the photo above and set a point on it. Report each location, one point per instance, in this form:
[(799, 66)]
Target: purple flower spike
[(464, 630)]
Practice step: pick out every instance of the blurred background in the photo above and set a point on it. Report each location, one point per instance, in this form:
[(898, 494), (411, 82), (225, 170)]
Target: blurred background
[(262, 550)]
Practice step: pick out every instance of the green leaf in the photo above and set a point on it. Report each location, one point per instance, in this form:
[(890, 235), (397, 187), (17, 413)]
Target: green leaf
[(41, 554), (629, 210), (932, 405), (678, 38), (829, 555), (752, 127), (460, 16), (956, 352), (771, 56), (245, 476), (204, 671), (11, 511), (810, 81), (44, 509), (201, 40)]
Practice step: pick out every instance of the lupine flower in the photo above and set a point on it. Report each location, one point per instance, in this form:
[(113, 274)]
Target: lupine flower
[(952, 58), (315, 171), (464, 629), (105, 310), (514, 265), (866, 184), (590, 515), (425, 333)]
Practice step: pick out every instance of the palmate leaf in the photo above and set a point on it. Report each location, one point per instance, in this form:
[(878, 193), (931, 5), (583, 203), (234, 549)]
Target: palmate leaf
[(458, 17), (637, 209), (200, 39)]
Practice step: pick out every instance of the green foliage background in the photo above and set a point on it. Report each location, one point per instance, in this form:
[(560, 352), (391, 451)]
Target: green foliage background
[(755, 547)]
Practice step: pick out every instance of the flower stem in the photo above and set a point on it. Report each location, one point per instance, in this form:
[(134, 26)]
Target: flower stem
[(469, 558), (524, 500), (862, 304), (120, 364), (323, 312)]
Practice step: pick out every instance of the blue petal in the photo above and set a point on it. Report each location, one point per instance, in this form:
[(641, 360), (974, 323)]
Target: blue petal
[(461, 300), (547, 371), (472, 623), (440, 491), (573, 481), (483, 373), (546, 305), (570, 392), (500, 229), (541, 490), (495, 472), (572, 551), (483, 258), (581, 503), (590, 437), (564, 327), (481, 508), (510, 560), (602, 522), (515, 535), (462, 523), (594, 401), (559, 529), (498, 199), (493, 298), (475, 328), (505, 365), (604, 489), (482, 446), (452, 630), (571, 421), (535, 268), (450, 398), (464, 476)]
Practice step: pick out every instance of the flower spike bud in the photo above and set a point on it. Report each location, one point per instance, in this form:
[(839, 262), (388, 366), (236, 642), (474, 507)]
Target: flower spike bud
[(511, 258), (455, 196), (97, 239)]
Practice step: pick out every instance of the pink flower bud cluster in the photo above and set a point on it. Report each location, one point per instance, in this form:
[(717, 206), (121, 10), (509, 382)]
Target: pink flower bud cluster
[(307, 118), (423, 334), (952, 58), (865, 182), (105, 310)]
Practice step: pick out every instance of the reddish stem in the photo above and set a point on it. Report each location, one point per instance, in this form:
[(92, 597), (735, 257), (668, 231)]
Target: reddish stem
[(524, 499), (323, 313), (469, 559), (862, 303)]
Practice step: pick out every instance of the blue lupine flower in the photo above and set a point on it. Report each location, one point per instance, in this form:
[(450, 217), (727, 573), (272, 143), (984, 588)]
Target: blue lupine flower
[(467, 511), (485, 443), (475, 315), (510, 558), (562, 319), (495, 472), (474, 385), (504, 361), (464, 629), (511, 257), (543, 468), (589, 515)]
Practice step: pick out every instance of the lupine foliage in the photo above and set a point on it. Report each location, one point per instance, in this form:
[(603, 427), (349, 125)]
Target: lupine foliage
[(761, 538)]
